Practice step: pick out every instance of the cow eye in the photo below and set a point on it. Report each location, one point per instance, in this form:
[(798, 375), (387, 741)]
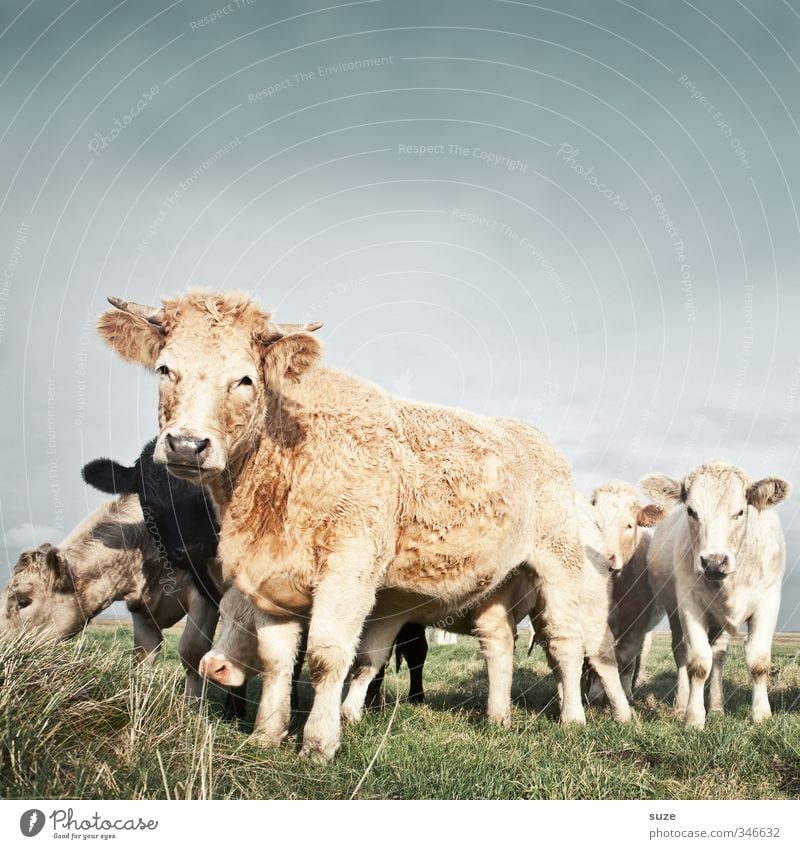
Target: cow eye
[(739, 514), (245, 381), (163, 371), (692, 513), (22, 603), (630, 527)]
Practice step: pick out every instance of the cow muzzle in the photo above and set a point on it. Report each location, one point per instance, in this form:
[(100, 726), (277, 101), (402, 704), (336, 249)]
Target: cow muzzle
[(221, 670), (716, 567), (186, 455)]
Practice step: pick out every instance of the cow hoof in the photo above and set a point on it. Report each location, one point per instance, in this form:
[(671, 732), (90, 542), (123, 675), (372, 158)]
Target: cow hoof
[(268, 741), (761, 715), (716, 709), (317, 751), (623, 715), (573, 717), (351, 715), (695, 721), (502, 720)]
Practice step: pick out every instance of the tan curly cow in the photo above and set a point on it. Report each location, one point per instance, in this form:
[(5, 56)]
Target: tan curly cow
[(328, 489)]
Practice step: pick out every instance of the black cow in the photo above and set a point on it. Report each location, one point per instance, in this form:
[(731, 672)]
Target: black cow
[(181, 520)]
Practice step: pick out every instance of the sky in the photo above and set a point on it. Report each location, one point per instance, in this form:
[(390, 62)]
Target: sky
[(582, 214)]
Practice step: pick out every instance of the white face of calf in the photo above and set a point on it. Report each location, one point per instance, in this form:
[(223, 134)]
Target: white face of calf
[(234, 657), (719, 501), (620, 518)]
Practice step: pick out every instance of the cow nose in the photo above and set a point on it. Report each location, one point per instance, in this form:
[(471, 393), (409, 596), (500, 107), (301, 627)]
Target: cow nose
[(186, 449), (714, 562), (612, 560)]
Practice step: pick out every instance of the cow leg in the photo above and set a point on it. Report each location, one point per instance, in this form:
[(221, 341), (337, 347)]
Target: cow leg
[(627, 652), (679, 653), (236, 702), (758, 652), (342, 602), (298, 671), (495, 629), (147, 639), (198, 634), (699, 658), (277, 646), (719, 651), (555, 621), (374, 698), (414, 648), (640, 677), (373, 652), (603, 661)]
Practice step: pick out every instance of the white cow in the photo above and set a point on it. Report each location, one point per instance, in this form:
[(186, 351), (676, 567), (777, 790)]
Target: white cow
[(716, 562)]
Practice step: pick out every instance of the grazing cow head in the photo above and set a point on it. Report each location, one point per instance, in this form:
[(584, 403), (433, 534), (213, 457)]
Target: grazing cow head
[(41, 593), (719, 499), (620, 517), (180, 516), (60, 589), (221, 362), (234, 657)]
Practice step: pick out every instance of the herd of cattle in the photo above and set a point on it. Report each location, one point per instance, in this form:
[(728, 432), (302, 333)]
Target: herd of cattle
[(315, 517)]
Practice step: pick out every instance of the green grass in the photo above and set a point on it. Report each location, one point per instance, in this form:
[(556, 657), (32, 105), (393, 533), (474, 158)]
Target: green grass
[(78, 722)]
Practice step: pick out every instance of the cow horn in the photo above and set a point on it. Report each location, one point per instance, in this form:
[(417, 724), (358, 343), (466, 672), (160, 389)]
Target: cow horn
[(152, 315), (277, 331), (286, 329)]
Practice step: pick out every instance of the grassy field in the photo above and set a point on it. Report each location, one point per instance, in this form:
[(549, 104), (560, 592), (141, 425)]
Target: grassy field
[(76, 722)]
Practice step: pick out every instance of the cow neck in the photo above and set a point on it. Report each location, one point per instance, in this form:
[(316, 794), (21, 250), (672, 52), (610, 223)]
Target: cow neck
[(99, 580), (267, 465)]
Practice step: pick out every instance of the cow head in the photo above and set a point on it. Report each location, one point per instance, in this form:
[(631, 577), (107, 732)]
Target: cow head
[(620, 518), (41, 593), (220, 359), (718, 500), (234, 657), (178, 515)]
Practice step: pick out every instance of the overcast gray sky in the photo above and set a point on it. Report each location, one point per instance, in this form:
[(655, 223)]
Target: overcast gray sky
[(585, 216)]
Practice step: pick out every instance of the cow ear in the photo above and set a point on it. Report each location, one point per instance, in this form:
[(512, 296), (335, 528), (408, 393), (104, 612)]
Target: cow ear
[(290, 357), (62, 577), (649, 515), (110, 476), (135, 339), (664, 490), (768, 492)]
